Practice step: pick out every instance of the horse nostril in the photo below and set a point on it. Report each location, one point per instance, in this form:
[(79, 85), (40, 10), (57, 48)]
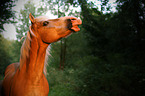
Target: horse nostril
[(73, 19)]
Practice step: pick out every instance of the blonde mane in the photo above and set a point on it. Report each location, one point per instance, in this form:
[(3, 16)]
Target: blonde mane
[(26, 48)]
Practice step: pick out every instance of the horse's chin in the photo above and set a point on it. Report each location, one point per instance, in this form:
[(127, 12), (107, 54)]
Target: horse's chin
[(73, 30)]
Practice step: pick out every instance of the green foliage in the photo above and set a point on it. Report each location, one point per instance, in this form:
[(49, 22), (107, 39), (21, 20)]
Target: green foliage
[(9, 53), (61, 83), (7, 15), (15, 48), (116, 40), (4, 53), (62, 8)]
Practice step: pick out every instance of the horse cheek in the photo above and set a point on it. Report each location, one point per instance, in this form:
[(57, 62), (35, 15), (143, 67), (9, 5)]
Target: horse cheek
[(50, 36)]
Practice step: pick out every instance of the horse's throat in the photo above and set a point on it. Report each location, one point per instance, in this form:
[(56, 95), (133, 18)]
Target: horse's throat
[(35, 64)]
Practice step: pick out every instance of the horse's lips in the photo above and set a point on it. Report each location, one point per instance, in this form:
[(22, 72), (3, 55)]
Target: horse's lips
[(75, 28), (75, 24)]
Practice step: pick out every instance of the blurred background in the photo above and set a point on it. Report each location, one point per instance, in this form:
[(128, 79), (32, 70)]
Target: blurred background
[(105, 58)]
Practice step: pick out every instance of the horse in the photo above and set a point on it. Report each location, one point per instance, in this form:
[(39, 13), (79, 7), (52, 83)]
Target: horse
[(27, 78)]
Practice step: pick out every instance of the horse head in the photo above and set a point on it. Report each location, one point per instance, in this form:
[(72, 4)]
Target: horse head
[(51, 30)]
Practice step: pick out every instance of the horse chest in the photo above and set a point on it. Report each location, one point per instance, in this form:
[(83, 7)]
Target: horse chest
[(24, 87)]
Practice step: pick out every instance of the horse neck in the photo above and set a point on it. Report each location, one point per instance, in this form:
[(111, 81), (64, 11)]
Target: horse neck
[(37, 56), (34, 64)]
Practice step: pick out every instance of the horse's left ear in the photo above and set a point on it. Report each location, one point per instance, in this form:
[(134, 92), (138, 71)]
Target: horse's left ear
[(31, 17)]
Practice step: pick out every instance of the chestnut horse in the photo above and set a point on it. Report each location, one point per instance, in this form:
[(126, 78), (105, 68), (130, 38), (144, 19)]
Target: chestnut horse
[(27, 78)]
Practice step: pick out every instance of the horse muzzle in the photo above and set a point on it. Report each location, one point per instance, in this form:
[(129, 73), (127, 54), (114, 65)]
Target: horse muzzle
[(73, 23)]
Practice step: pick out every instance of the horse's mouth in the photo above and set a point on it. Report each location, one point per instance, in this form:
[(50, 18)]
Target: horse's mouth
[(75, 29), (73, 24)]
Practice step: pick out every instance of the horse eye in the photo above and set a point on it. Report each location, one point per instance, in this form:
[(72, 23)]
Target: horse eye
[(45, 23)]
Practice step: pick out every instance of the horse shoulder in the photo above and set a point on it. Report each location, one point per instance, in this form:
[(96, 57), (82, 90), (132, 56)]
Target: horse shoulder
[(11, 69), (9, 73)]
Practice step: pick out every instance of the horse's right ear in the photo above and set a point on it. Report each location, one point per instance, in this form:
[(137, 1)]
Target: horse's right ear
[(31, 17)]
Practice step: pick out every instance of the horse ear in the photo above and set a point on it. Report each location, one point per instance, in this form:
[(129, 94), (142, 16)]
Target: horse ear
[(31, 17)]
